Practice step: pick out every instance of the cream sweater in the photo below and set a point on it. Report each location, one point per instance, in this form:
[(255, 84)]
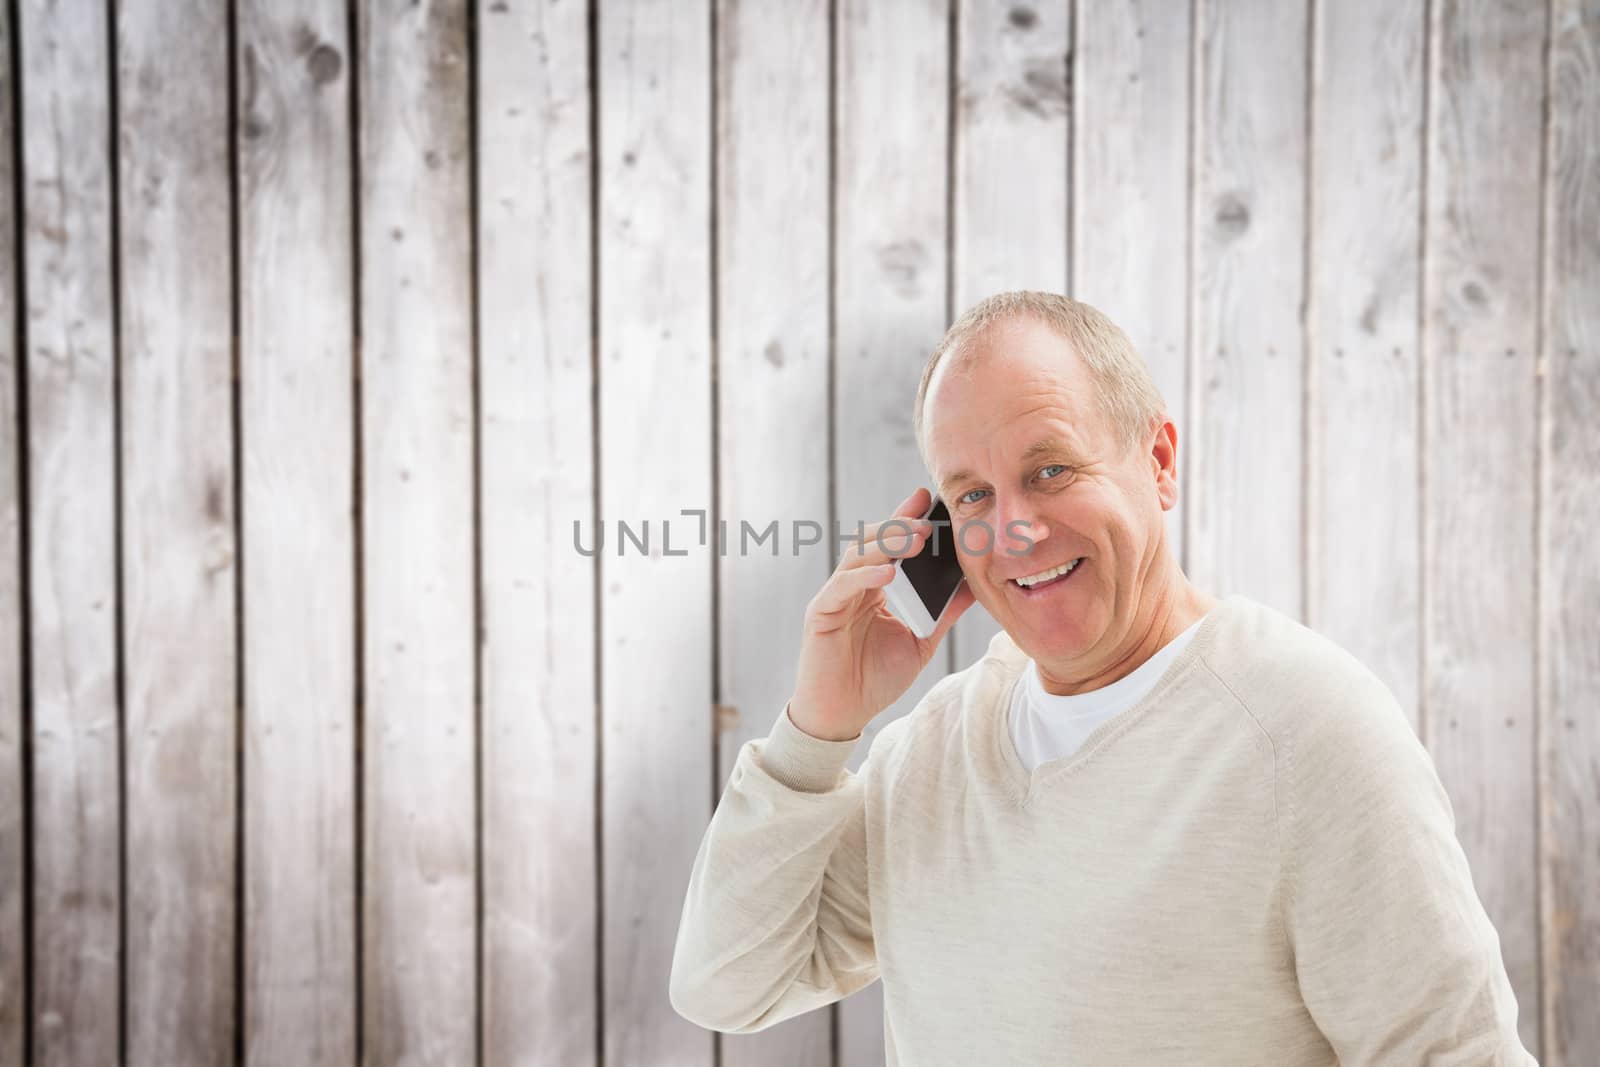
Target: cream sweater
[(1255, 864)]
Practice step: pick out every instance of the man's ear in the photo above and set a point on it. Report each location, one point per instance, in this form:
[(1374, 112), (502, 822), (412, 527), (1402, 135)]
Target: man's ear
[(1163, 455)]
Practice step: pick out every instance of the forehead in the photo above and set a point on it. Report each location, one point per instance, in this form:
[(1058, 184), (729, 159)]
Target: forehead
[(1010, 392)]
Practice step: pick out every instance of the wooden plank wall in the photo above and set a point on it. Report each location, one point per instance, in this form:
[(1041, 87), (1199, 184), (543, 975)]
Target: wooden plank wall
[(334, 336)]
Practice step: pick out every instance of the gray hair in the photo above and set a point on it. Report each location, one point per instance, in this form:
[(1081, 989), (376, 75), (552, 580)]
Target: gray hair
[(1126, 395)]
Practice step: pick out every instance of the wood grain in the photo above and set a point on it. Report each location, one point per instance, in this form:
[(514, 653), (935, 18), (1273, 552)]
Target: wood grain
[(179, 548), (540, 902), (71, 458), (1479, 447), (773, 167), (418, 604), (891, 307), (1570, 492), (1009, 220), (1363, 333), (296, 379), (13, 826), (1246, 475), (655, 432), (1130, 185)]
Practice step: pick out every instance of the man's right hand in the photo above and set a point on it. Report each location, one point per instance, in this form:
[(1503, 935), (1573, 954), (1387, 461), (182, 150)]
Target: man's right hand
[(856, 657)]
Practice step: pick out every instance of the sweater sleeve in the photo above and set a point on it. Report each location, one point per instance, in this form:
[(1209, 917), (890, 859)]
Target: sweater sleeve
[(776, 919), (1397, 961)]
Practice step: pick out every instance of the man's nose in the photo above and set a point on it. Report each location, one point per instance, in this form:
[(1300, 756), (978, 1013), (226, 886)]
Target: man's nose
[(1020, 527)]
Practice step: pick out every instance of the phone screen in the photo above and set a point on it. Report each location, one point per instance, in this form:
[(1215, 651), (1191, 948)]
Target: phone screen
[(935, 571)]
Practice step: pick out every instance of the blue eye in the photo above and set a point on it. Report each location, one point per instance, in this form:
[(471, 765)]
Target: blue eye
[(965, 498)]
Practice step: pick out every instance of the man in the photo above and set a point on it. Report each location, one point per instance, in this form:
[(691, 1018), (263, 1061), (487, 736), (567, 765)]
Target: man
[(1148, 827)]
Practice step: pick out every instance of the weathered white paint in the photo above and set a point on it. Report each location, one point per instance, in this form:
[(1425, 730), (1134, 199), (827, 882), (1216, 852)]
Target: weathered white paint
[(13, 830), (655, 460), (540, 909), (71, 453), (1569, 639), (1363, 334), (179, 545), (296, 380), (773, 166), (1246, 482), (1479, 447), (419, 878)]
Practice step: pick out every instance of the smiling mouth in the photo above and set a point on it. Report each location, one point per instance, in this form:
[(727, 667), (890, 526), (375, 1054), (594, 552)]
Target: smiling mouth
[(1054, 577)]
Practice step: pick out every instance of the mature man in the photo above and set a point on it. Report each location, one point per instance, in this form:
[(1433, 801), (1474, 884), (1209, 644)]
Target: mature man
[(1148, 826)]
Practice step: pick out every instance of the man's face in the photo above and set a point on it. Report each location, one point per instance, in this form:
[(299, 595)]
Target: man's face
[(1015, 441)]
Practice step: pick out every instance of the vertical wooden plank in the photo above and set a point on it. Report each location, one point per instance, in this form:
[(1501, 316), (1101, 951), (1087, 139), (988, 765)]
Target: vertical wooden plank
[(890, 299), (71, 374), (1011, 92), (419, 846), (295, 380), (534, 241), (655, 453), (1479, 448), (1364, 333), (773, 166), (1009, 222), (1246, 474), (1570, 629), (13, 931), (178, 529), (1130, 160)]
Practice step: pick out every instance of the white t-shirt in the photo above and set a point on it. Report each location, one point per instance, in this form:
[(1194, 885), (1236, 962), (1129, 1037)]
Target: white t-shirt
[(1047, 727)]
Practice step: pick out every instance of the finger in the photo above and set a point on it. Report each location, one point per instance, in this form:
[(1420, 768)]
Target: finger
[(898, 525), (912, 508), (915, 505), (908, 516), (842, 591), (886, 544), (909, 511)]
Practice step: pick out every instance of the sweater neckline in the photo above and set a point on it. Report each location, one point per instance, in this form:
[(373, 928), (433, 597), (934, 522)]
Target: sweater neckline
[(1022, 785)]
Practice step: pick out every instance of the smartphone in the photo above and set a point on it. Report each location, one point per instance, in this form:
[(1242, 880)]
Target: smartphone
[(926, 583)]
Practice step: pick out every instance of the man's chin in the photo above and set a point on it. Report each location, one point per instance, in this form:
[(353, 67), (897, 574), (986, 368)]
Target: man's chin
[(1054, 640)]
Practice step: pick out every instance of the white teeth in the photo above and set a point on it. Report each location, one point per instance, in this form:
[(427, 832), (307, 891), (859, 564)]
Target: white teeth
[(1045, 576)]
